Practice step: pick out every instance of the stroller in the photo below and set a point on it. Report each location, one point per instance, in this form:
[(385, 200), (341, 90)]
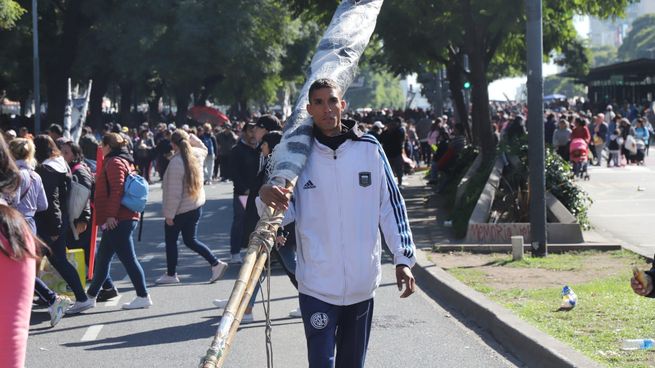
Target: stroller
[(579, 154)]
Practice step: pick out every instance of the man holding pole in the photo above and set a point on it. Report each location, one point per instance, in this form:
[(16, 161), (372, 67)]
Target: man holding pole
[(344, 195)]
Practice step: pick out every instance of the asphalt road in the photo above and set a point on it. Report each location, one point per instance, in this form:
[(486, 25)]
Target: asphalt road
[(623, 203), (177, 330)]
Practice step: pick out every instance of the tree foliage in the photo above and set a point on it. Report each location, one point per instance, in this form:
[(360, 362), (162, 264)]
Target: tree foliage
[(603, 55), (419, 34), (640, 42), (232, 52), (10, 12)]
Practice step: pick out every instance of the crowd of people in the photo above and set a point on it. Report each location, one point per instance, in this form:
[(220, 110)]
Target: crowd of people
[(50, 182), (52, 187)]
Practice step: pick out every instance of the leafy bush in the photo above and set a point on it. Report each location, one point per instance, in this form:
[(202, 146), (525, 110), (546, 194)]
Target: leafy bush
[(559, 181)]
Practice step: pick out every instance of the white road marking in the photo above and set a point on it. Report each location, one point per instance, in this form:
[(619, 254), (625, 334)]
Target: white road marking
[(221, 208), (161, 245), (92, 333), (113, 302), (147, 258)]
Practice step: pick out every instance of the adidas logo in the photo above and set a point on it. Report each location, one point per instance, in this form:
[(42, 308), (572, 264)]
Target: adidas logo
[(309, 185)]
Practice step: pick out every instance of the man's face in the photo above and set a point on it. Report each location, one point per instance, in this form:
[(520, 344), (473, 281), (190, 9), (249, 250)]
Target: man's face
[(259, 133), (249, 136), (325, 106)]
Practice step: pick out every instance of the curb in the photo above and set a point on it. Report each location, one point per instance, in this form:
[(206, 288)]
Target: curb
[(507, 248), (531, 346)]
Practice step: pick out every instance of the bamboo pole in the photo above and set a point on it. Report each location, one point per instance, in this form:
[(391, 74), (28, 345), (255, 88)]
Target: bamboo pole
[(261, 242), (336, 58), (258, 269)]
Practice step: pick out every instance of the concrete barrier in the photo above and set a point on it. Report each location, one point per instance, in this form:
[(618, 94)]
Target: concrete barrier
[(561, 229)]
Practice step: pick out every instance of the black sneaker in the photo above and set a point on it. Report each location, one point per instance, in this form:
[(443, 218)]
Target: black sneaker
[(106, 294)]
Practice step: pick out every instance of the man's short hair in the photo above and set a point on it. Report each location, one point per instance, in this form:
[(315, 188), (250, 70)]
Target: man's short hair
[(322, 83), (57, 129)]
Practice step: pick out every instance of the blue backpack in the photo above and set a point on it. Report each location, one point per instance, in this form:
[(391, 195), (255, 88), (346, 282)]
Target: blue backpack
[(135, 192)]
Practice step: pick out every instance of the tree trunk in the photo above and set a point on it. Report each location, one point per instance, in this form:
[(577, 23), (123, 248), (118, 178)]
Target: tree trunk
[(60, 55), (480, 100), (100, 86), (182, 100), (127, 91), (456, 87)]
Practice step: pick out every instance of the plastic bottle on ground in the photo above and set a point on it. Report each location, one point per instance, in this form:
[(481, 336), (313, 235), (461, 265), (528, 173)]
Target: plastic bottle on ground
[(637, 344)]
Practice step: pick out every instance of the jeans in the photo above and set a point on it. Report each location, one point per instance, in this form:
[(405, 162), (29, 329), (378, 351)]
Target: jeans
[(57, 256), (84, 243), (209, 167), (187, 224), (347, 327), (42, 290), (119, 241), (236, 232)]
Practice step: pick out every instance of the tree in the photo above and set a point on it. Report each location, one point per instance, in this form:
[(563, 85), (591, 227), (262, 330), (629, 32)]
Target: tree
[(10, 12), (379, 89), (490, 32), (603, 55), (640, 42)]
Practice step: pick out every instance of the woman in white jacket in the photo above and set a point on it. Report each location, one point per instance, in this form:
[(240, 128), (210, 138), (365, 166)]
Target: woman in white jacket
[(182, 204)]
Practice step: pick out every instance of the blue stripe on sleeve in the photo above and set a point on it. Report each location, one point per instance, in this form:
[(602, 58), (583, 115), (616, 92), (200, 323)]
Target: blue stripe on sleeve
[(400, 214)]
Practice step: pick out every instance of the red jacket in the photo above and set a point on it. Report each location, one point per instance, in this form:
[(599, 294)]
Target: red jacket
[(108, 200)]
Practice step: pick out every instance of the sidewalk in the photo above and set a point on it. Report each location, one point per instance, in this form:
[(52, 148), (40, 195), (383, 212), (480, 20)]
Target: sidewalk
[(528, 344), (623, 205)]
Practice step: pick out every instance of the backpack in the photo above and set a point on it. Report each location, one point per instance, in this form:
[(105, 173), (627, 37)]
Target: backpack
[(78, 197), (135, 192)]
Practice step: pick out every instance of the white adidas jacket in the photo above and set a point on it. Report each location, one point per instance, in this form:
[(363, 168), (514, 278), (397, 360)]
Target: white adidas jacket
[(341, 200)]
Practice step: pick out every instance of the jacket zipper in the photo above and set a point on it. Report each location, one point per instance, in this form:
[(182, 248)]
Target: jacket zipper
[(343, 248)]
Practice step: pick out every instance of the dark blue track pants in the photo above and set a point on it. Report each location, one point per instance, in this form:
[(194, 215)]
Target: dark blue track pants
[(346, 327)]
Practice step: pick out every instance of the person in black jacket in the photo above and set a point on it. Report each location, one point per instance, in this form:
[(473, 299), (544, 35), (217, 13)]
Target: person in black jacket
[(81, 174), (51, 224), (393, 141), (245, 165)]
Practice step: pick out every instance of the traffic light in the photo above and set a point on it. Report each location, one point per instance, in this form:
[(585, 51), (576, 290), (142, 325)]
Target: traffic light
[(467, 85)]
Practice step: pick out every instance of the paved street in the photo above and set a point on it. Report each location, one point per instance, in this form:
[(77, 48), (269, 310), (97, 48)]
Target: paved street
[(623, 208), (177, 330)]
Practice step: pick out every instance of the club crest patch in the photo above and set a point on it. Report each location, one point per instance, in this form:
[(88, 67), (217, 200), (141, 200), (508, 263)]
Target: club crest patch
[(319, 320), (364, 179)]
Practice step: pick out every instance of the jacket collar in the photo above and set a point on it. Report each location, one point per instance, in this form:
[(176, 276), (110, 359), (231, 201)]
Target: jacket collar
[(350, 132)]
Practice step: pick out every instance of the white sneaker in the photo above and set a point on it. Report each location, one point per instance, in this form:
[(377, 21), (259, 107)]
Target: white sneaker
[(218, 271), (58, 309), (247, 318), (80, 307), (296, 313), (220, 303), (165, 279), (138, 303), (236, 258)]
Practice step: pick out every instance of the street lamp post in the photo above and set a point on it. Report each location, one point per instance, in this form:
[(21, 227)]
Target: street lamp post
[(536, 146), (37, 82)]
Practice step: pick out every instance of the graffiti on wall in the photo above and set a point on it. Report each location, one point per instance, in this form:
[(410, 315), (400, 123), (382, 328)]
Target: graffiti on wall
[(497, 233)]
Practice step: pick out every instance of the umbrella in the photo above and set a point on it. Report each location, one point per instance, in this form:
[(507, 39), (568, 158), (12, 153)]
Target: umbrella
[(206, 114)]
